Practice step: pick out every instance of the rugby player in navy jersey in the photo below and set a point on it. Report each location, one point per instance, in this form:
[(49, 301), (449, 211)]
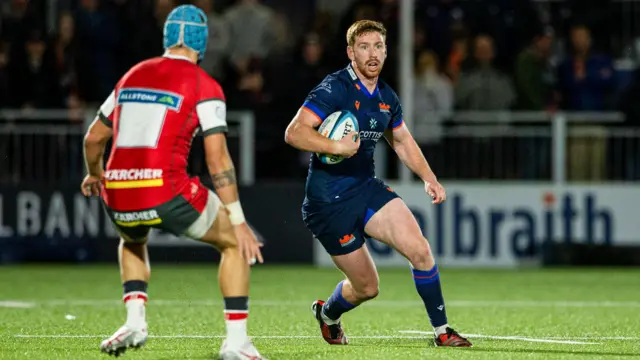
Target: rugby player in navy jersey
[(345, 203)]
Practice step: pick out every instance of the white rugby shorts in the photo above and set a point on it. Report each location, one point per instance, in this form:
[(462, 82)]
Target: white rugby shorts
[(199, 228)]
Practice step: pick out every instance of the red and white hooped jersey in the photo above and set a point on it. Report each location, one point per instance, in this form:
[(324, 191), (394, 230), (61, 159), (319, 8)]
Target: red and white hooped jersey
[(155, 110)]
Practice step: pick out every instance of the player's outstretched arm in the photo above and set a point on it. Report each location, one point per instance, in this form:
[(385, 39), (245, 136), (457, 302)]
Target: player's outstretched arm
[(302, 135), (95, 141), (410, 154), (223, 175)]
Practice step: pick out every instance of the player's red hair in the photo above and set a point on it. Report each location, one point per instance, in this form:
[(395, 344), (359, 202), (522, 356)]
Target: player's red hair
[(362, 27)]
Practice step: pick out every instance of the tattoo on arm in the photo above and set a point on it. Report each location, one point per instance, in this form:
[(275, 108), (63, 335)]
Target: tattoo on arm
[(225, 178)]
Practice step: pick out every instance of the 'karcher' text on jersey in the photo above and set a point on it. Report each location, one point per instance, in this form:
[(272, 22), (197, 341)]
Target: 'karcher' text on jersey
[(133, 174)]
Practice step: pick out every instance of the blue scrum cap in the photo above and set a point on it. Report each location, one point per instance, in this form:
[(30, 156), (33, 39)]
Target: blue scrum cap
[(186, 26)]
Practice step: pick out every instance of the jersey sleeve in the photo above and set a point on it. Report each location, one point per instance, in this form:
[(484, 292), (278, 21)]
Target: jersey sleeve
[(212, 108), (324, 99), (396, 113), (105, 113)]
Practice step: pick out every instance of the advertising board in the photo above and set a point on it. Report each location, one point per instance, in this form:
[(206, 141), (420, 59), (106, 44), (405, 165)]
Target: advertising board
[(497, 225)]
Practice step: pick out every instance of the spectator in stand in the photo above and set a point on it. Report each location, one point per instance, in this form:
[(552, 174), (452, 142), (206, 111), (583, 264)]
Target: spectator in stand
[(218, 42), (534, 75), (358, 10), (535, 81), (586, 77), (433, 103), (62, 52), (251, 27), (585, 81), (446, 25), (97, 40), (308, 69), (484, 87), (458, 58), (7, 96), (39, 84), (17, 22)]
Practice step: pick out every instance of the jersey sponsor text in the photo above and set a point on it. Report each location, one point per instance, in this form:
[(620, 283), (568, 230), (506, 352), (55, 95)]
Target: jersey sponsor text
[(133, 178), (153, 96), (137, 218)]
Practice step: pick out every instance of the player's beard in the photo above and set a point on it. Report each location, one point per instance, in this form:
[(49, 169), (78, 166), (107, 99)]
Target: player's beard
[(370, 69)]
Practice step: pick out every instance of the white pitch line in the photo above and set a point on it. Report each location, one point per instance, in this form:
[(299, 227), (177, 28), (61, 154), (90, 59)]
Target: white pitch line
[(595, 337), (528, 339), (375, 303), (516, 338), (418, 335), (16, 304), (218, 336)]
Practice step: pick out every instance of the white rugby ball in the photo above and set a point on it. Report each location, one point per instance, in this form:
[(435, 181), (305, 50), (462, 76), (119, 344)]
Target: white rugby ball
[(335, 127)]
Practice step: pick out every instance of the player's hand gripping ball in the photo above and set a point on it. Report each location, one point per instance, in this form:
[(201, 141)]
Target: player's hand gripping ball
[(335, 127)]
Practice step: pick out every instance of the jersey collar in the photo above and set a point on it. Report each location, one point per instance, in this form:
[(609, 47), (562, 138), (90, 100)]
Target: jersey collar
[(359, 85)]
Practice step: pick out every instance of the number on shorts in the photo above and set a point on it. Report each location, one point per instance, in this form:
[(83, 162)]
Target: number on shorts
[(142, 115)]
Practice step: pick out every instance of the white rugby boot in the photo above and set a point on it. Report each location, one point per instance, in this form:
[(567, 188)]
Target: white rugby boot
[(246, 351), (126, 337)]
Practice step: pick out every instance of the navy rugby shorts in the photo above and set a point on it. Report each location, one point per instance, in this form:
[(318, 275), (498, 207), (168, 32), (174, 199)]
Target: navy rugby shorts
[(339, 225)]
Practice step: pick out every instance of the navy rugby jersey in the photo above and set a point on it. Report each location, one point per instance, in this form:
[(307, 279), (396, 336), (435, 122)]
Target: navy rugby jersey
[(376, 112)]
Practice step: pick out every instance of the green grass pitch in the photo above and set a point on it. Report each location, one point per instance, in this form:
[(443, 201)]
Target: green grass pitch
[(63, 312)]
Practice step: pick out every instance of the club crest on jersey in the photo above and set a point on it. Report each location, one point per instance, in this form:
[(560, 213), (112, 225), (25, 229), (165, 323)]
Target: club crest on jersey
[(150, 96), (326, 86), (384, 108)]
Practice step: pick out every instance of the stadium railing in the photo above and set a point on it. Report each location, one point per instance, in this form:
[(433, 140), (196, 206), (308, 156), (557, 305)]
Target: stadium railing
[(520, 146), (45, 145)]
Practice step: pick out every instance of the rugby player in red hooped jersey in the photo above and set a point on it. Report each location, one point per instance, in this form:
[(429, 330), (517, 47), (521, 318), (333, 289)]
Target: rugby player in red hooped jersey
[(153, 114)]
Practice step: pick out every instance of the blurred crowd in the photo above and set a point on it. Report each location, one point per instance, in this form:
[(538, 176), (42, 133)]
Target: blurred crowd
[(473, 55)]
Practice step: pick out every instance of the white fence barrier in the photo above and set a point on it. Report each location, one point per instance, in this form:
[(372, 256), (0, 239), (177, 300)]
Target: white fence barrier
[(469, 146), (46, 145)]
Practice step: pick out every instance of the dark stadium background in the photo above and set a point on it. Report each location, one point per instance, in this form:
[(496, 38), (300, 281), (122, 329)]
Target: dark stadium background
[(537, 144), (499, 100)]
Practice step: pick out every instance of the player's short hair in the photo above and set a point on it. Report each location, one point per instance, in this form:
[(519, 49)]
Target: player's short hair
[(362, 27)]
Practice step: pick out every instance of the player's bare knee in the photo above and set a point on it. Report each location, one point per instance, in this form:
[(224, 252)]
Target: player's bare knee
[(420, 255), (226, 242), (369, 292), (228, 247), (221, 234), (223, 242)]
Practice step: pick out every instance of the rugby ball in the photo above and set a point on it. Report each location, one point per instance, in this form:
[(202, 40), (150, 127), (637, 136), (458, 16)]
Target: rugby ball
[(335, 127)]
